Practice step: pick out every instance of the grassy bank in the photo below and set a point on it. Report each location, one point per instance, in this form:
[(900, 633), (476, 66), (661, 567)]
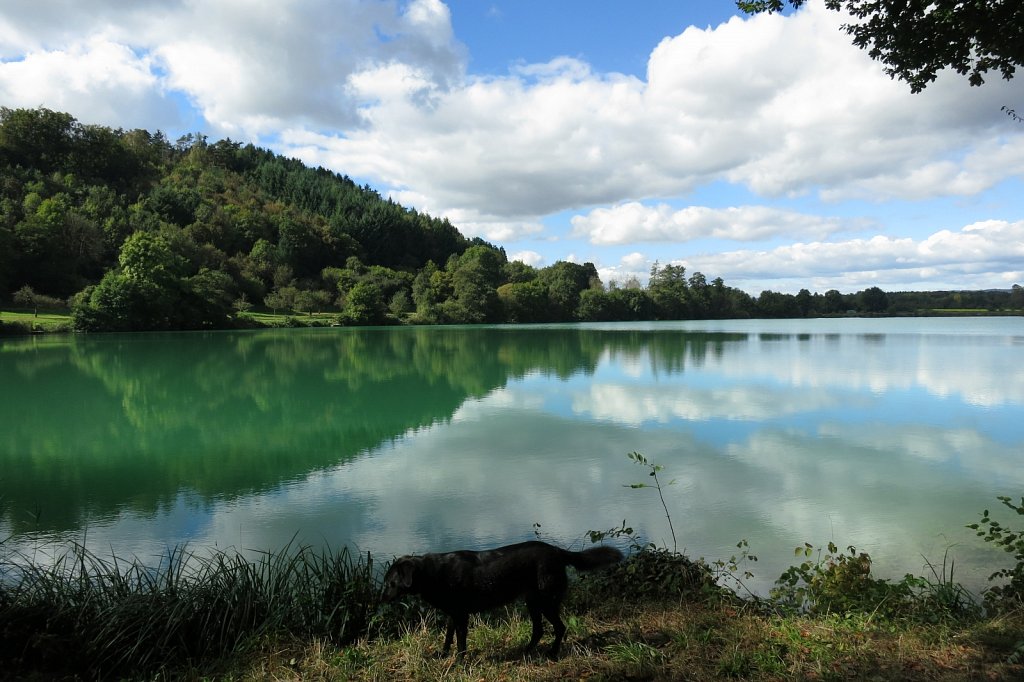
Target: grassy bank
[(27, 322), (300, 613), (19, 322), (304, 614), (662, 640)]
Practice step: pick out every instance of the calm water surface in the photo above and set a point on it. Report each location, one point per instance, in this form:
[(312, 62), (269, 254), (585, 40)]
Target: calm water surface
[(889, 435)]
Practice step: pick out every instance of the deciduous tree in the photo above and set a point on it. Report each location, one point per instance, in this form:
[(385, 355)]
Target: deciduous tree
[(915, 39)]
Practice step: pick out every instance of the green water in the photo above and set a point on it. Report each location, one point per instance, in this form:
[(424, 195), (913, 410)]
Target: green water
[(887, 434)]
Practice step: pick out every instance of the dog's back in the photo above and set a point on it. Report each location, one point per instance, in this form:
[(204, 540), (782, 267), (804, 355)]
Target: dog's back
[(464, 582)]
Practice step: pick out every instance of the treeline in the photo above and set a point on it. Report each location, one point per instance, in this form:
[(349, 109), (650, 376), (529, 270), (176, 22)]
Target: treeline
[(875, 301), (139, 233)]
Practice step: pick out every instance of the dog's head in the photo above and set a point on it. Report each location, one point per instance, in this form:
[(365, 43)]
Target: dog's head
[(399, 578)]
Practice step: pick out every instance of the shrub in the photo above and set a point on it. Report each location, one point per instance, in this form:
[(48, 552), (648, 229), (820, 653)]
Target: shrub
[(1010, 595)]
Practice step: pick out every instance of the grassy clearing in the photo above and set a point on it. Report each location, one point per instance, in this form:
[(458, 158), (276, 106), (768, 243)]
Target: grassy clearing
[(658, 641), (14, 322), (25, 322), (265, 318)]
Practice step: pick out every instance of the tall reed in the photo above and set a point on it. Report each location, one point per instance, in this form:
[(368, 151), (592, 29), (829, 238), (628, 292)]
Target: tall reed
[(101, 617)]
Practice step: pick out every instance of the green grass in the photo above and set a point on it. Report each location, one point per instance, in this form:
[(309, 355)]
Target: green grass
[(24, 321), (269, 319), (659, 640), (289, 319)]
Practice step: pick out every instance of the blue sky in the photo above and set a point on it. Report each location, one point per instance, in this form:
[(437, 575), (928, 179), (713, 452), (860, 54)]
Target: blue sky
[(764, 150)]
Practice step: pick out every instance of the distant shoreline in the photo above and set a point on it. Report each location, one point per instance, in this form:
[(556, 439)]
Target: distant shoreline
[(15, 322)]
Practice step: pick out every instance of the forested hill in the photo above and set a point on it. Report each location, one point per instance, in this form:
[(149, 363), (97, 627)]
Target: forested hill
[(173, 234), (141, 233)]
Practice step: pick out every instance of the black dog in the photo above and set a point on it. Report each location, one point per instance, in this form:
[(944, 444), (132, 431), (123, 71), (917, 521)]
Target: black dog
[(465, 582)]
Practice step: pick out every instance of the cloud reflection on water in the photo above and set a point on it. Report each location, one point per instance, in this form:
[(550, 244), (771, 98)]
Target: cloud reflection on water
[(891, 443)]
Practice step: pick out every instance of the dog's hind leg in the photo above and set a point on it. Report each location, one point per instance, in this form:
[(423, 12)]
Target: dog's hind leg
[(551, 610), (533, 603)]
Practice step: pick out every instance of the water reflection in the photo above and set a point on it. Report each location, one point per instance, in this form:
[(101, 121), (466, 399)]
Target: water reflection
[(417, 439)]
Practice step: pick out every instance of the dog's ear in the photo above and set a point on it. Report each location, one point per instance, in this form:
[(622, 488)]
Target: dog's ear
[(399, 577), (406, 570)]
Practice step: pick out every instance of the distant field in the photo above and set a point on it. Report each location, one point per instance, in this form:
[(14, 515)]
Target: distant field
[(281, 319), (47, 321), (266, 318), (50, 321)]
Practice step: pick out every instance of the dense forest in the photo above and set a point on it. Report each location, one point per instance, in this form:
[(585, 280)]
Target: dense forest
[(134, 232)]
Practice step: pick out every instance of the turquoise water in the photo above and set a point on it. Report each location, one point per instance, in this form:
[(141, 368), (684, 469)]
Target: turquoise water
[(886, 434)]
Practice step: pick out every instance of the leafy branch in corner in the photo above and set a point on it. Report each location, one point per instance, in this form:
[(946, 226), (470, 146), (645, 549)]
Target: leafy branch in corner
[(1010, 595)]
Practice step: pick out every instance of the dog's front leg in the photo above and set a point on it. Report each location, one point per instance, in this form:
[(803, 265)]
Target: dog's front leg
[(449, 632), (461, 622)]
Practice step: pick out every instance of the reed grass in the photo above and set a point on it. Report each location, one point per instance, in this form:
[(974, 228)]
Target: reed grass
[(107, 617)]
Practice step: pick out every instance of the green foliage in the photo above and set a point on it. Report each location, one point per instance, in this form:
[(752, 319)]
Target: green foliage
[(874, 300), (731, 573), (524, 301), (1009, 595), (155, 287), (669, 291), (565, 282), (475, 278), (365, 305), (648, 573), (841, 583), (833, 583)]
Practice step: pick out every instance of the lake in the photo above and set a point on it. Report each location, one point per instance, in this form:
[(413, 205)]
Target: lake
[(886, 434)]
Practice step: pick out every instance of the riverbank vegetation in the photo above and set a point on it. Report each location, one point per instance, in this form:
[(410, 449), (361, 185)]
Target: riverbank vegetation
[(133, 232), (300, 613)]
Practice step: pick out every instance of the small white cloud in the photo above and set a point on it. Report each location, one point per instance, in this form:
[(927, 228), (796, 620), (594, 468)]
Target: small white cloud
[(634, 260), (560, 68), (529, 257)]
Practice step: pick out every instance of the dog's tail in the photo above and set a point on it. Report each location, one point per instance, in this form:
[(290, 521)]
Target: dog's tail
[(592, 558)]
